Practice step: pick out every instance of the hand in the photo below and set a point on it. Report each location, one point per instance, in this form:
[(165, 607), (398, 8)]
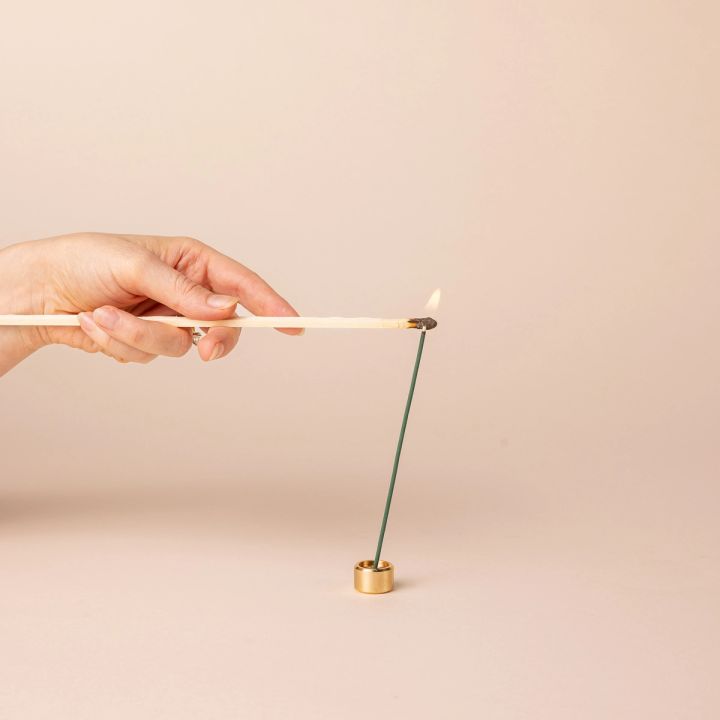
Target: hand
[(111, 279)]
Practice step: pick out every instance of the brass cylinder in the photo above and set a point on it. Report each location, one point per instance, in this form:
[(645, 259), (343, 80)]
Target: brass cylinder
[(368, 579)]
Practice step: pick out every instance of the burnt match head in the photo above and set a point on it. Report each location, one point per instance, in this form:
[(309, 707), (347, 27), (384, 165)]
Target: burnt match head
[(423, 323)]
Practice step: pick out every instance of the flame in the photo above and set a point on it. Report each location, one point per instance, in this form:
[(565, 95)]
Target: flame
[(433, 301)]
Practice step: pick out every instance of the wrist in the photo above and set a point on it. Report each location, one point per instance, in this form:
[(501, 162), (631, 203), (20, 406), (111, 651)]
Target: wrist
[(20, 293)]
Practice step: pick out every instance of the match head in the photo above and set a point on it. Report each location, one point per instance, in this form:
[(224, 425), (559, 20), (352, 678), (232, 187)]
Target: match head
[(423, 323)]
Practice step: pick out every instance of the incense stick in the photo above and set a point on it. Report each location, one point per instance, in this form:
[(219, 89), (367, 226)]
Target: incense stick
[(398, 450), (251, 321)]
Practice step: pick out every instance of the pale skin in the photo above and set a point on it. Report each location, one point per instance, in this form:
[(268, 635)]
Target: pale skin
[(111, 279)]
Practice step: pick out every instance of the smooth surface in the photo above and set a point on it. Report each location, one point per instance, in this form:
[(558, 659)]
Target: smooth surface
[(177, 540), (371, 581)]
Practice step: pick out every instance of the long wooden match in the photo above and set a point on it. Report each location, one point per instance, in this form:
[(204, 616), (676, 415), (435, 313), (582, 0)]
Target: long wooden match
[(250, 321)]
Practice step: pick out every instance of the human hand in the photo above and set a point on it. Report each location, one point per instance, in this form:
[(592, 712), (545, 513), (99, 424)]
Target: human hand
[(111, 279)]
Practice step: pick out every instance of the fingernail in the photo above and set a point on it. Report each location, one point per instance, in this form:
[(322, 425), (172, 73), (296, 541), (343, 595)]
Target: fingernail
[(105, 317), (221, 301), (218, 350), (302, 332)]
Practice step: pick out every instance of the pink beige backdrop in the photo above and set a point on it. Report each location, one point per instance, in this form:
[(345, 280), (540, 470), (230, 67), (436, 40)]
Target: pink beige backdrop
[(177, 541)]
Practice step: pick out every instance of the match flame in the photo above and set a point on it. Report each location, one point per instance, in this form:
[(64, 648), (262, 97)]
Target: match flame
[(434, 301)]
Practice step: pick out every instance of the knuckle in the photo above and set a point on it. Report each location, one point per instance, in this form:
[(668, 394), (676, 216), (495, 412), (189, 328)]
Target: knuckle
[(136, 258), (90, 347), (190, 250), (183, 285), (188, 241)]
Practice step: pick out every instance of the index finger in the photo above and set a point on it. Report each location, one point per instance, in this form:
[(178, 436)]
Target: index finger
[(230, 277)]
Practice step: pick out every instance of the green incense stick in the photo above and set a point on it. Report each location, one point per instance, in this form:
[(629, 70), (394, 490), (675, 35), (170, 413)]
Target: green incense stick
[(398, 450)]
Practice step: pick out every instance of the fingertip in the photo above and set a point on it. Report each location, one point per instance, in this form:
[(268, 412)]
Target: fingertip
[(205, 348), (92, 329), (284, 309), (106, 316), (217, 343), (217, 352), (213, 353), (87, 324)]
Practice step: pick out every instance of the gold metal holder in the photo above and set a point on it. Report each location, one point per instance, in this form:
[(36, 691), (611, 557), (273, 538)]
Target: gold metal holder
[(368, 579)]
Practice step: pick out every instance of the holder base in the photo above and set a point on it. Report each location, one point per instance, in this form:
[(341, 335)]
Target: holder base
[(374, 581)]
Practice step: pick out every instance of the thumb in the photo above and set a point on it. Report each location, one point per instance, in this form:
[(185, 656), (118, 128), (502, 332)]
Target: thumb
[(155, 279)]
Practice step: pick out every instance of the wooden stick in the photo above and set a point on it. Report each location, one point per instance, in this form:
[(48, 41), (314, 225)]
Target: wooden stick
[(251, 321)]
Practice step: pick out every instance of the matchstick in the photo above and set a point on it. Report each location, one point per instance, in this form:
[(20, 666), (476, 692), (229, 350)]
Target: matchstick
[(251, 321)]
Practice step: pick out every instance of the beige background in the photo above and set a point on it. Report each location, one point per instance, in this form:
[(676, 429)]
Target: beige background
[(177, 541)]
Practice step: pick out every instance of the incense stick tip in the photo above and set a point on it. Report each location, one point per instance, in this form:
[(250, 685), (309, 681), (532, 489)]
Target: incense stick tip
[(427, 323)]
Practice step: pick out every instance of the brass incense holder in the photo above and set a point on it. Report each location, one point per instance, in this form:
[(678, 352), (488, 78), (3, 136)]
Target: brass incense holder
[(374, 581)]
